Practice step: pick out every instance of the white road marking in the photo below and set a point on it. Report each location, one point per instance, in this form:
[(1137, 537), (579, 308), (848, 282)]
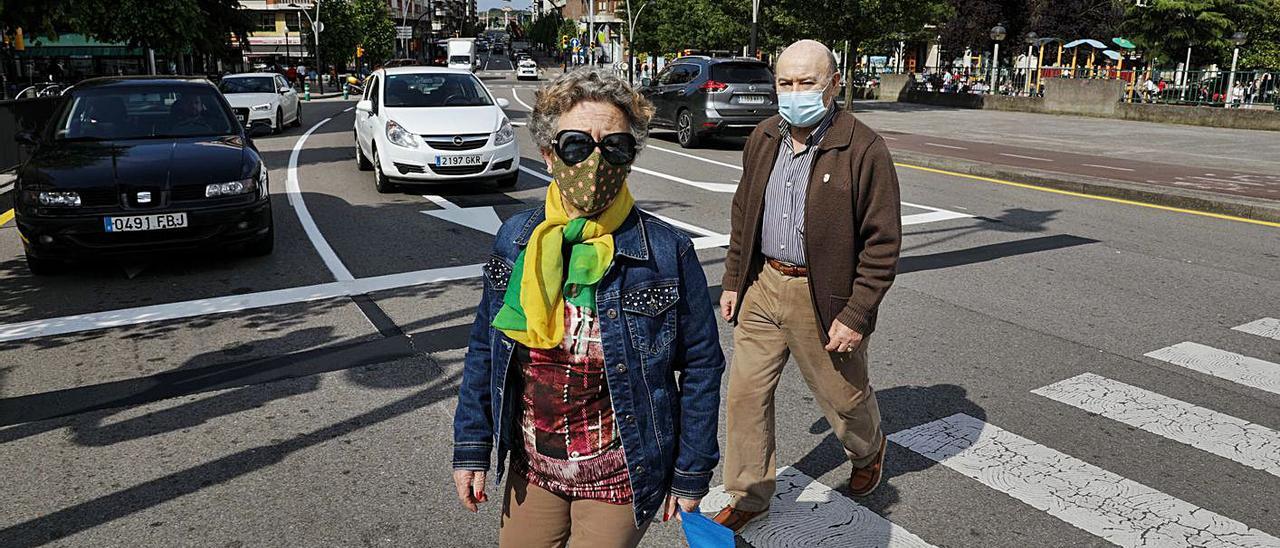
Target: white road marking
[(1107, 167), (945, 146), (722, 188), (932, 217), (1229, 437), (348, 109), (805, 513), (1236, 368), (1025, 157), (483, 218), (230, 303), (695, 157), (326, 252), (1119, 510), (889, 137), (522, 103), (1265, 327)]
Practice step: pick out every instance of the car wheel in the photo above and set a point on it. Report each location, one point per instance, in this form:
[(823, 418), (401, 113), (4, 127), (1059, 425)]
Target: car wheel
[(509, 181), (685, 133), (262, 246), (362, 161), (42, 267), (279, 125), (297, 119), (380, 181)]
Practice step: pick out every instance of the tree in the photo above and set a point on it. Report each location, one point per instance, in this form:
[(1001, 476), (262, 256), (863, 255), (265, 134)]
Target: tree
[(970, 27), (1072, 19), (377, 30), (1262, 51), (341, 34), (673, 25), (1164, 28), (174, 26)]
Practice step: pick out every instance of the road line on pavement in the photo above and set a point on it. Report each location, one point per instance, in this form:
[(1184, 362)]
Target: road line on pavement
[(1237, 368), (6, 188), (440, 201), (1089, 196), (1025, 157), (522, 103), (1229, 437), (945, 146), (722, 188), (695, 157), (806, 513), (1265, 327), (326, 252), (1119, 510), (6, 217), (931, 217), (1108, 167)]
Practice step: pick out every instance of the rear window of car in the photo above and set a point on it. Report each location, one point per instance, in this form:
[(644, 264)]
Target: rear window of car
[(741, 73)]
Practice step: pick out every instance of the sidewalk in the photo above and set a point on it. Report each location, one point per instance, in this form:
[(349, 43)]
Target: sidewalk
[(1225, 171)]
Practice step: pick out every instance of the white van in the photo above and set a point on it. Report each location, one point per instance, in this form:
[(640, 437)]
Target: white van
[(462, 53)]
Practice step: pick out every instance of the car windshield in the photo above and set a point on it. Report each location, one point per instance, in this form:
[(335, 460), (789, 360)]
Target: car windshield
[(138, 112), (435, 90), (256, 84), (459, 59), (741, 73)]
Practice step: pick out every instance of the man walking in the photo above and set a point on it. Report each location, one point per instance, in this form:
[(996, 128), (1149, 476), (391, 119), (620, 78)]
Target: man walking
[(816, 234)]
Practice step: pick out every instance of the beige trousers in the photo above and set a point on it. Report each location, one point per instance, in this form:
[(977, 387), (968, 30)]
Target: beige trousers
[(533, 517), (776, 321)]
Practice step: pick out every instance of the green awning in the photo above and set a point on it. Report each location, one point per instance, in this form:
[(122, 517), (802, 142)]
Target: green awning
[(1123, 43), (76, 45)]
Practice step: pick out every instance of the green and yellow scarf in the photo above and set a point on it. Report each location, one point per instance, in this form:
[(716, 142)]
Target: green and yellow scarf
[(532, 310)]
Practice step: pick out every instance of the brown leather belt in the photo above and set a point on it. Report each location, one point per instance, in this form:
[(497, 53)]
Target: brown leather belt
[(788, 269)]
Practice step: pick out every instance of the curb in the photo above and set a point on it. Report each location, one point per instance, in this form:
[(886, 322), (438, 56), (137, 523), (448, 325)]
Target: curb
[(1208, 202)]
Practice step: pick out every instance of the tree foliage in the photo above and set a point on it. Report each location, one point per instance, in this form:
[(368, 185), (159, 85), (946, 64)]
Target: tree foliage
[(172, 26), (377, 29), (349, 24), (1164, 28)]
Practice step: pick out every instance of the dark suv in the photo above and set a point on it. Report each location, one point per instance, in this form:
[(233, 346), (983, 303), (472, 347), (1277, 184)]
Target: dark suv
[(704, 96)]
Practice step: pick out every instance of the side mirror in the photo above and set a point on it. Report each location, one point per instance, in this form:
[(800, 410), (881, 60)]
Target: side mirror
[(503, 103), (364, 105), (645, 82), (27, 138), (285, 89)]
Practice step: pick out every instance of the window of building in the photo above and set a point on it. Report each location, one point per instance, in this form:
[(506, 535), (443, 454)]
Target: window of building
[(267, 22), (295, 21)]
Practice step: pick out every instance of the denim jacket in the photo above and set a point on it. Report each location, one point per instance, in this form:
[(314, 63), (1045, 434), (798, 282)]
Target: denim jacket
[(656, 320)]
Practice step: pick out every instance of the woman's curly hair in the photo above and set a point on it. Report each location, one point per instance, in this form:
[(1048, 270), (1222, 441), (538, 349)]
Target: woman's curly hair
[(587, 84)]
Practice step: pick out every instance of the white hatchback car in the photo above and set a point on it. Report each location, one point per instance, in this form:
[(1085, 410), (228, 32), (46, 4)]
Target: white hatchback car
[(433, 125), (262, 99), (527, 69)]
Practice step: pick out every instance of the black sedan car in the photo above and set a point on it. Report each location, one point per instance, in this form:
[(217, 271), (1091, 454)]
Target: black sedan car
[(139, 165)]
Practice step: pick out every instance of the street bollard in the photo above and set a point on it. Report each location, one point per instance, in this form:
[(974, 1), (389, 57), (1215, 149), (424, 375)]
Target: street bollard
[(306, 91), (346, 91)]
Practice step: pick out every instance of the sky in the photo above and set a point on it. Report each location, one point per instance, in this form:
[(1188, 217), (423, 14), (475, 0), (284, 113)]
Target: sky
[(515, 4)]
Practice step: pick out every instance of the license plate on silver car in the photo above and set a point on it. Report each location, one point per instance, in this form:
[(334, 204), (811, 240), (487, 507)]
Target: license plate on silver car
[(135, 223), (751, 99), (467, 160)]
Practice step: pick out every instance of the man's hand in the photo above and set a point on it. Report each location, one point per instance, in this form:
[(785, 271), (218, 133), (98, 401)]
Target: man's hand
[(470, 486), (728, 300), (842, 338), (687, 504)]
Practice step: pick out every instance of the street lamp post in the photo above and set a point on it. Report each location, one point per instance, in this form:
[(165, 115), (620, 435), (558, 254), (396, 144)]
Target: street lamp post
[(591, 34), (631, 36), (1186, 72), (315, 32), (997, 34), (755, 26), (1238, 39)]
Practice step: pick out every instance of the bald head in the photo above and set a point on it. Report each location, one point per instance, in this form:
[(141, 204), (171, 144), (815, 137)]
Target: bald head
[(807, 58)]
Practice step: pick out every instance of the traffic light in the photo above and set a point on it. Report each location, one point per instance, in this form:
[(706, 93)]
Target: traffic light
[(564, 42)]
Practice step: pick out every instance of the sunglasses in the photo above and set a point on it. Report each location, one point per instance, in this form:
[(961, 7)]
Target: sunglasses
[(574, 146)]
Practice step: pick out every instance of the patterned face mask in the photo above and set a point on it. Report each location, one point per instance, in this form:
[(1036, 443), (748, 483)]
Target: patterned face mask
[(590, 185)]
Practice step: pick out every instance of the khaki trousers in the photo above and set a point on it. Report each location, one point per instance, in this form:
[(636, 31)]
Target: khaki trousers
[(533, 517), (776, 321)]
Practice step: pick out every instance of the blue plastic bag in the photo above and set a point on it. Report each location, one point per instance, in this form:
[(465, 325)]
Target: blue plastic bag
[(701, 532)]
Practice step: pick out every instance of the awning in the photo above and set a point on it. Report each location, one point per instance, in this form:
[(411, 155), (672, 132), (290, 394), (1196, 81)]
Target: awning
[(1086, 42), (1115, 55), (76, 45), (274, 50), (1123, 43)]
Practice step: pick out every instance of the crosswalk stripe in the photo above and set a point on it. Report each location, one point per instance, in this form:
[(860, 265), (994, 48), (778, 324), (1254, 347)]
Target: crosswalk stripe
[(1265, 327), (1237, 368), (1229, 437), (1119, 510), (805, 513)]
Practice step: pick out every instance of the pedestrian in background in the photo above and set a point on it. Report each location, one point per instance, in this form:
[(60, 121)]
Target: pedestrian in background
[(589, 308), (813, 250)]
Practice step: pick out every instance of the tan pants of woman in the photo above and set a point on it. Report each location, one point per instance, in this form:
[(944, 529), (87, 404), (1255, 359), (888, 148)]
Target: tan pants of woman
[(533, 517)]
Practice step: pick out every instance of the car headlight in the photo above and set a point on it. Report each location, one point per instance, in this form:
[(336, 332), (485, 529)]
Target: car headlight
[(505, 133), (263, 107), (53, 198), (243, 186), (401, 136)]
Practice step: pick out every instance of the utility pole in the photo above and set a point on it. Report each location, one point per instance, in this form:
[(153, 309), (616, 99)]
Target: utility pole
[(591, 33), (755, 25)]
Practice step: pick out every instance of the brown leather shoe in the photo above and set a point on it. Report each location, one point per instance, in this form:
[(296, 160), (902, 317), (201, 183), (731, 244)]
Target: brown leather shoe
[(864, 480), (736, 519)]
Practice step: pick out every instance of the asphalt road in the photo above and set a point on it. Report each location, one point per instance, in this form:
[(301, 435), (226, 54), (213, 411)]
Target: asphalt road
[(220, 401)]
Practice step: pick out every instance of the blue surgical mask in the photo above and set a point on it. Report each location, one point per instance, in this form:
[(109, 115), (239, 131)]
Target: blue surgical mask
[(802, 108)]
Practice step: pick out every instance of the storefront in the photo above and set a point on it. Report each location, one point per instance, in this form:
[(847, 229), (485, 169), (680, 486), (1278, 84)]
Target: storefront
[(74, 57)]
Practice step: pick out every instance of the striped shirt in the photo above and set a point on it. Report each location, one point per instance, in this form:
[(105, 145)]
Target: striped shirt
[(782, 236)]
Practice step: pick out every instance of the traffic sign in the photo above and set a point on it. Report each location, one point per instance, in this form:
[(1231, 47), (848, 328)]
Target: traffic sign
[(404, 33), (575, 42)]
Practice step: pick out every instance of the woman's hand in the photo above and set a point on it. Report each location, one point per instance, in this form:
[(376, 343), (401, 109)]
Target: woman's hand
[(687, 504), (470, 486)]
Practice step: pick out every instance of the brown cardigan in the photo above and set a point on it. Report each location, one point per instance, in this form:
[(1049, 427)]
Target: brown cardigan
[(853, 221)]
